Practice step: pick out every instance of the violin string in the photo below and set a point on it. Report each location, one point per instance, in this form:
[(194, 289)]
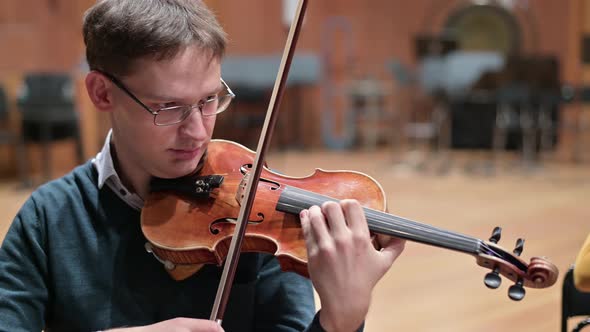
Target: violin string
[(485, 248), (312, 199), (384, 224), (381, 222), (430, 232), (492, 250), (419, 226)]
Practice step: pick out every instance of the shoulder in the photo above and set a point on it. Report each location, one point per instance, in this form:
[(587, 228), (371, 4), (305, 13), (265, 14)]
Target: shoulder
[(80, 180), (74, 188)]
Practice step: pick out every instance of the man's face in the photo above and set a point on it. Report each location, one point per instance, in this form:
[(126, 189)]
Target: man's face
[(165, 151)]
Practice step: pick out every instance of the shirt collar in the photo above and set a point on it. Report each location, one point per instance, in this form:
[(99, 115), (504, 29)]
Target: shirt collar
[(104, 162), (107, 174)]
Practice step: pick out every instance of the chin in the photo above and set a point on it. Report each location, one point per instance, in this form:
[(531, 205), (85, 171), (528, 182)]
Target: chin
[(182, 168), (175, 167)]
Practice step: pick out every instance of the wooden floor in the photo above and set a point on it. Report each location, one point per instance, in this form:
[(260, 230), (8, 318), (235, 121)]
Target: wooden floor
[(431, 289)]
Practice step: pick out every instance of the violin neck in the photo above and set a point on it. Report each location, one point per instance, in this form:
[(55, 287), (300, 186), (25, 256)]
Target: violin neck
[(293, 200)]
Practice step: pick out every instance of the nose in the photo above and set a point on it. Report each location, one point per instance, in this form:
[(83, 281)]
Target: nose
[(193, 126)]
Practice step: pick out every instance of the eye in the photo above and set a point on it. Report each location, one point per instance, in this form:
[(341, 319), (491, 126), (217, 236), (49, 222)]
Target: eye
[(166, 105), (210, 98)]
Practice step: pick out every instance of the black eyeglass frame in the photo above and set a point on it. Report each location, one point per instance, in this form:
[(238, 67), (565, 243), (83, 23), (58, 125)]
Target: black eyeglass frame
[(185, 114)]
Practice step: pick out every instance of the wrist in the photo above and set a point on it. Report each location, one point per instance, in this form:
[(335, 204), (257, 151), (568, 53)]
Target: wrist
[(341, 321)]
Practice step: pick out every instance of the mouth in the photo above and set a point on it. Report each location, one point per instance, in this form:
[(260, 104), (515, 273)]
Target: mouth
[(185, 154)]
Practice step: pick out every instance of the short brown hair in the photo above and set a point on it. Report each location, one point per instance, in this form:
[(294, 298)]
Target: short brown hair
[(118, 32)]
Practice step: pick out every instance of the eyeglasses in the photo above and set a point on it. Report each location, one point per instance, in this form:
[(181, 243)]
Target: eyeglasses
[(171, 115)]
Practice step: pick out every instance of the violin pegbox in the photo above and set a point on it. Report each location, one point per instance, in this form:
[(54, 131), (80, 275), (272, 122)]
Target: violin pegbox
[(539, 273)]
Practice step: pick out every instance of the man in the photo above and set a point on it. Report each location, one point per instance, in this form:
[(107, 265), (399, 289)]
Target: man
[(73, 258)]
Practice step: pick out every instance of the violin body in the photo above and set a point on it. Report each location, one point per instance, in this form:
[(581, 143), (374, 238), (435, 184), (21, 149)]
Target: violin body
[(191, 221), (184, 230)]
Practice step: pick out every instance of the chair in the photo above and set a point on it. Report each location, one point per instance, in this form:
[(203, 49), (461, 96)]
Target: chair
[(366, 95), (46, 102), (549, 97), (514, 113), (252, 78), (573, 303), (11, 137), (426, 117), (404, 95), (583, 99)]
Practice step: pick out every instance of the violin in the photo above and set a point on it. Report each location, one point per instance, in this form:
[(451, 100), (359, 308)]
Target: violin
[(190, 221)]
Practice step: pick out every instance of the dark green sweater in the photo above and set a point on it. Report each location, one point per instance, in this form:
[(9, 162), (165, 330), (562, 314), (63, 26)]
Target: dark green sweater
[(74, 260)]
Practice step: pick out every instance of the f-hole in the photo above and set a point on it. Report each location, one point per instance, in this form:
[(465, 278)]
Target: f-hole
[(247, 167), (234, 221)]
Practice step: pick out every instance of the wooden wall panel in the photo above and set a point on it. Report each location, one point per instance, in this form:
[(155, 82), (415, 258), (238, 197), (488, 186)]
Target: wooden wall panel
[(46, 35)]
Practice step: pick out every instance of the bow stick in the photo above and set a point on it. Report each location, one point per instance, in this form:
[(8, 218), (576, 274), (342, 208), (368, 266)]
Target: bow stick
[(229, 268)]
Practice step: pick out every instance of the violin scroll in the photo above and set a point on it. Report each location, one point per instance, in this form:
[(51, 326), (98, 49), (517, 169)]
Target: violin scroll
[(538, 273), (542, 272)]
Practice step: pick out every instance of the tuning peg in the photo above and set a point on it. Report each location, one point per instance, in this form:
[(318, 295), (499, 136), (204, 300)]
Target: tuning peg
[(516, 292), (519, 247), (496, 234), (492, 280)]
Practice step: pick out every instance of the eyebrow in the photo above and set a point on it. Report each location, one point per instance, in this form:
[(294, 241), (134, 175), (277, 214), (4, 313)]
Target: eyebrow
[(164, 97)]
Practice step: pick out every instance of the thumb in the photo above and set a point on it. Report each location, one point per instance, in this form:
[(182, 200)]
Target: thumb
[(392, 249)]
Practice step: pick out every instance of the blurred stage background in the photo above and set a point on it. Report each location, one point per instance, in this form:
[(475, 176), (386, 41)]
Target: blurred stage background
[(471, 114)]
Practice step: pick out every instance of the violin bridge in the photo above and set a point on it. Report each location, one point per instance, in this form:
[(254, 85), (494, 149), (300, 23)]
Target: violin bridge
[(241, 192)]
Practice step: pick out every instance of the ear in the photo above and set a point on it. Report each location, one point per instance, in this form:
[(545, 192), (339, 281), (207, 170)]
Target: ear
[(100, 91)]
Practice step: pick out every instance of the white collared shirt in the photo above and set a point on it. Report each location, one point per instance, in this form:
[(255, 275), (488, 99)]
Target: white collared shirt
[(107, 174)]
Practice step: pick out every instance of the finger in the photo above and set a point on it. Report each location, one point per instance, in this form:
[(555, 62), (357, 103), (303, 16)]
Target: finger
[(382, 240), (335, 217), (307, 232), (391, 251), (319, 228), (192, 324), (375, 241), (355, 217)]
